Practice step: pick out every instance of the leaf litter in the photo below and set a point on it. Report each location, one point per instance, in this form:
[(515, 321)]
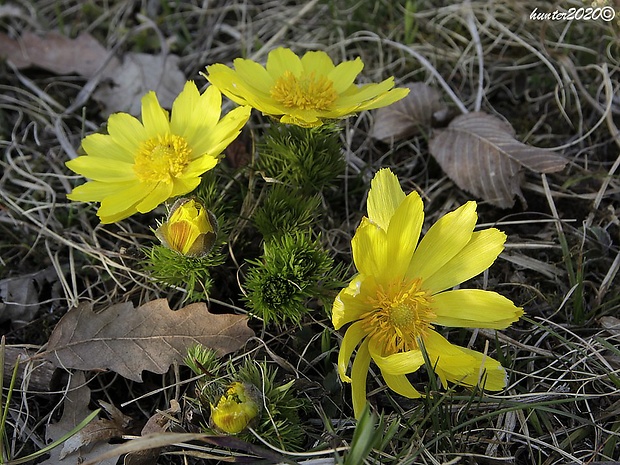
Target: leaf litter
[(481, 155), (87, 443), (151, 337), (123, 81)]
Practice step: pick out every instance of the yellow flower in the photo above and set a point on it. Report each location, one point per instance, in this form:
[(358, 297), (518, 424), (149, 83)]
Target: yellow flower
[(139, 165), (236, 408), (402, 291), (302, 91), (190, 229)]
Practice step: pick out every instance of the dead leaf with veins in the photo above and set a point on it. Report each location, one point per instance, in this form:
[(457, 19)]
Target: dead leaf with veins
[(480, 154), (151, 337)]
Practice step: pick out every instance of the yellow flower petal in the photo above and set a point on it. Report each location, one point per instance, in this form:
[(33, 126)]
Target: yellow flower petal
[(474, 308), (447, 237), (488, 373), (281, 60), (184, 110), (155, 197), (181, 186), (154, 117), (345, 73), (402, 236), (254, 75), (318, 62), (352, 337), (384, 99), (359, 372), (370, 249), (227, 82), (196, 168), (217, 138), (350, 303), (122, 202), (448, 360), (102, 169), (384, 197), (401, 363), (364, 95), (401, 385), (104, 146), (126, 131), (94, 191), (479, 254)]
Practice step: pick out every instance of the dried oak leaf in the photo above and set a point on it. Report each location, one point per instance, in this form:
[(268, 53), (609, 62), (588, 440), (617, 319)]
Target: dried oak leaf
[(480, 154), (408, 116), (151, 337)]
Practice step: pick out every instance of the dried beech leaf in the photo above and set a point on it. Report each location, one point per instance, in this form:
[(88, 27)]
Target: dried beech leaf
[(409, 115), (151, 337), (480, 154), (56, 53)]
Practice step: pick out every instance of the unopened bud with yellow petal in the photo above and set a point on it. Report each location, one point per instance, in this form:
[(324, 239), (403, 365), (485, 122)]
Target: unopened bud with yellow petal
[(236, 408), (190, 228)]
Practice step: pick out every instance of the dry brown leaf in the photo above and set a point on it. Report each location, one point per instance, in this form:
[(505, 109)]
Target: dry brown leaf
[(479, 153), (158, 423), (75, 409), (99, 430), (407, 116), (56, 53), (138, 74), (123, 84), (611, 324), (151, 337)]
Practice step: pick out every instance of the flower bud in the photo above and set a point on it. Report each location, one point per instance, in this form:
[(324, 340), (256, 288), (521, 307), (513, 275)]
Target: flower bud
[(236, 408), (190, 228)]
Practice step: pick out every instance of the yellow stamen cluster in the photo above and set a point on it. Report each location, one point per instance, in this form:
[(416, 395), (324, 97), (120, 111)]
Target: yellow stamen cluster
[(400, 316), (162, 158), (307, 92)]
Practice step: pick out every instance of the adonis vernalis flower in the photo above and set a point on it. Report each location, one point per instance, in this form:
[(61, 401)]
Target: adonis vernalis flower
[(190, 229), (140, 164), (236, 408), (403, 289), (302, 91)]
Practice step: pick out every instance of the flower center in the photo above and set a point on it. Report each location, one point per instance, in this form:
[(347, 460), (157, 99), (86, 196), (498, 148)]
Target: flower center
[(401, 316), (307, 92), (162, 158)]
